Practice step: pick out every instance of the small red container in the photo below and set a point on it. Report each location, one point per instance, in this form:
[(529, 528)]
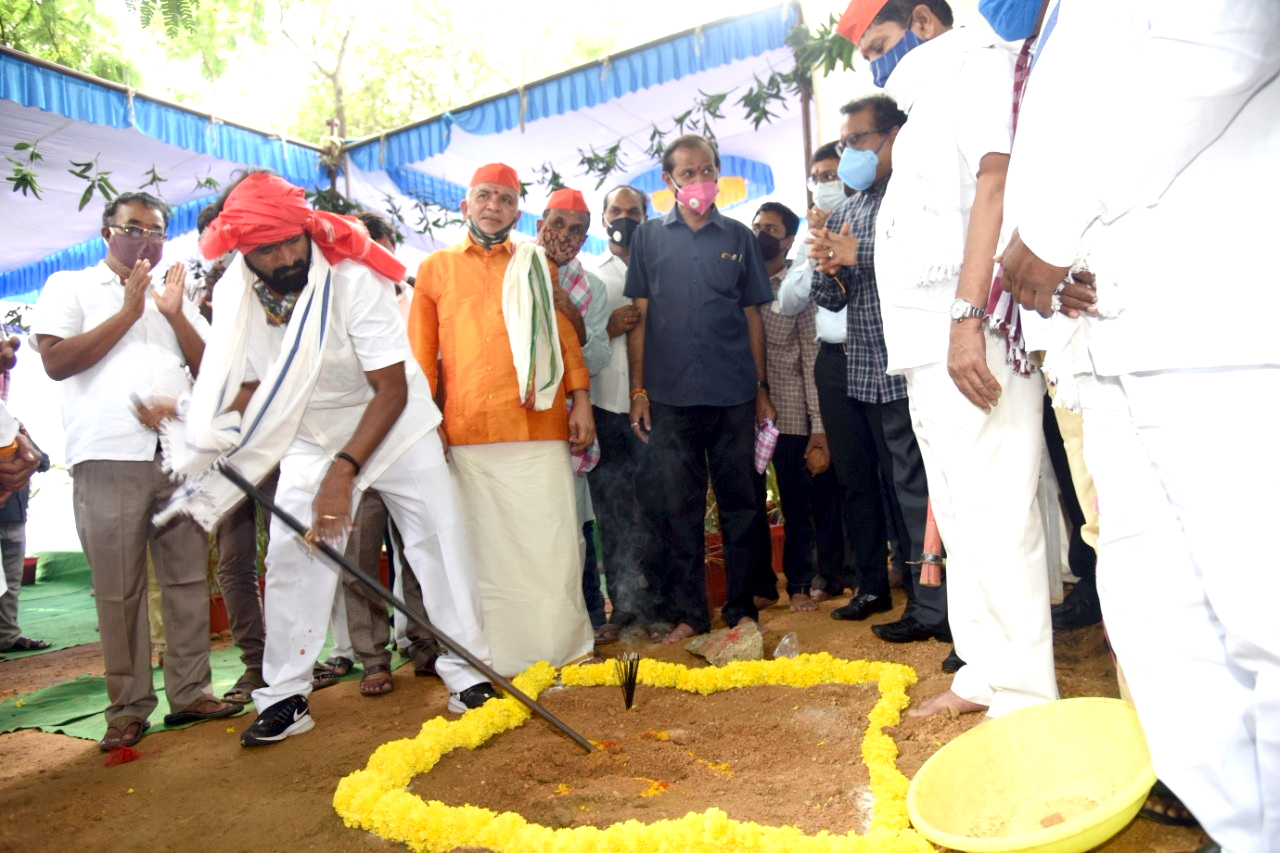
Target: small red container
[(29, 570)]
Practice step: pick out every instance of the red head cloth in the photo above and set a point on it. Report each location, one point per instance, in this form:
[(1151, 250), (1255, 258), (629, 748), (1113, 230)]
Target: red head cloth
[(567, 199), (855, 20), (496, 173), (268, 209)]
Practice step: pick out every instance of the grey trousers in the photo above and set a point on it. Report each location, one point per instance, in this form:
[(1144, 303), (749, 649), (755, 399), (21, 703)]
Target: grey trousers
[(13, 546), (114, 503)]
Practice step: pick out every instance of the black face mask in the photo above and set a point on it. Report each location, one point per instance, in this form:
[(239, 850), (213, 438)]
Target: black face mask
[(487, 241), (770, 246), (621, 231)]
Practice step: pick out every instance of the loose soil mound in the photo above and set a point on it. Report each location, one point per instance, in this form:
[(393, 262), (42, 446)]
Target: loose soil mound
[(677, 752)]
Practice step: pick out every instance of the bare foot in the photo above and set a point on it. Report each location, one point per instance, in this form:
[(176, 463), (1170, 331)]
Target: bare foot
[(747, 621), (763, 603), (678, 634), (820, 595), (945, 703), (801, 603)]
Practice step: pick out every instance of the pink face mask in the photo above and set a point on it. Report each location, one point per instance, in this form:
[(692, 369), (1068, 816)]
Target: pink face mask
[(698, 197)]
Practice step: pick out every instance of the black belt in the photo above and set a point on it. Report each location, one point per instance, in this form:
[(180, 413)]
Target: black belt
[(843, 349)]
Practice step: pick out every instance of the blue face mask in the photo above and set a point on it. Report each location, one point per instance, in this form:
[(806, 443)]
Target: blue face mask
[(881, 68), (1013, 20), (858, 167)]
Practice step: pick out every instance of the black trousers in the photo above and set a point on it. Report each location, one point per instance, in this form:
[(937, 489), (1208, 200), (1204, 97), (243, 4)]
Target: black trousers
[(687, 444), (622, 531), (813, 546), (869, 440)]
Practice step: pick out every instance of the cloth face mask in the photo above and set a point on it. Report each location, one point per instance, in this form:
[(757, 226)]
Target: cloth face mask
[(1013, 20), (129, 250), (770, 246), (883, 67), (561, 248)]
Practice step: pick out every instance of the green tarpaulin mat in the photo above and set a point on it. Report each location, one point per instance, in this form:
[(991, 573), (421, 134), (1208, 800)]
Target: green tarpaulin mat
[(58, 607)]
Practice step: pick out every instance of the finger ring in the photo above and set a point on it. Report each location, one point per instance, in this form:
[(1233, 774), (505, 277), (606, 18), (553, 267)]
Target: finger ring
[(1062, 285), (635, 424), (831, 253), (328, 518)]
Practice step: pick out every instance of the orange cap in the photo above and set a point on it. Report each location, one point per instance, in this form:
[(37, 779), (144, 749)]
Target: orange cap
[(855, 20), (496, 173), (568, 199)]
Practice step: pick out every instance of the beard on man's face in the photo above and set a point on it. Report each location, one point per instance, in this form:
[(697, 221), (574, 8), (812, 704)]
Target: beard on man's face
[(288, 279)]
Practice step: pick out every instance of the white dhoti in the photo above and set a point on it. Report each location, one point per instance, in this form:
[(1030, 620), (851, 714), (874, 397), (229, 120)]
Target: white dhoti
[(518, 502), (1186, 470), (301, 583), (983, 472)]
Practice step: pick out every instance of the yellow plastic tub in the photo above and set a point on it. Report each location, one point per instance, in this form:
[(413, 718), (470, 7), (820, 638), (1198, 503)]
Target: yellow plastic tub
[(1062, 777)]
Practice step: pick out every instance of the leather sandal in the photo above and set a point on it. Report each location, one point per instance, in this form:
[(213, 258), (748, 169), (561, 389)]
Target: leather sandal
[(123, 731), (377, 681)]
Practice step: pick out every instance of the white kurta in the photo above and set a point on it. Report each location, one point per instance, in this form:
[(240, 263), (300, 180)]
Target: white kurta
[(1169, 201), (367, 333)]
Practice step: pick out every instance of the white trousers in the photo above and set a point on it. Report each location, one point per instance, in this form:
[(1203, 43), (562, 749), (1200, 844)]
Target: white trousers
[(1187, 470), (301, 584), (983, 472)]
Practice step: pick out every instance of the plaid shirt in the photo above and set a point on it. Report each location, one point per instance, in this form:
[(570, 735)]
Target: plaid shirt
[(856, 288), (790, 351)]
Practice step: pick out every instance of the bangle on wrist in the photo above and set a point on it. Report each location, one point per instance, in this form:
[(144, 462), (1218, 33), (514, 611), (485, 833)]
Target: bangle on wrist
[(763, 383), (347, 457), (639, 392)]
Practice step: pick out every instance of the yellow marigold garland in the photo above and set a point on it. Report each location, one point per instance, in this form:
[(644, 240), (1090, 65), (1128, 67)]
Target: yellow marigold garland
[(376, 798)]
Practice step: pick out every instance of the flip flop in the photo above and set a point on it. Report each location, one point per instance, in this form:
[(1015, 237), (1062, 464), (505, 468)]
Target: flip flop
[(126, 739)]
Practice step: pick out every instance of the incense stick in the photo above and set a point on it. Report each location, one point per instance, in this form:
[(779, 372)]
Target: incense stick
[(627, 666)]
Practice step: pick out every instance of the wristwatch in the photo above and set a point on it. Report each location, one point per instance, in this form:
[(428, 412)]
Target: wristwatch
[(962, 310)]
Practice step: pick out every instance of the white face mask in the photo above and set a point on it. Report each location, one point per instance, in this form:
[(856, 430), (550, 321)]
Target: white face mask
[(829, 195)]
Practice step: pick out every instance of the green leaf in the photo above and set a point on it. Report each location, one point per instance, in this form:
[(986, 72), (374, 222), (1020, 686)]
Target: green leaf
[(88, 195), (21, 146)]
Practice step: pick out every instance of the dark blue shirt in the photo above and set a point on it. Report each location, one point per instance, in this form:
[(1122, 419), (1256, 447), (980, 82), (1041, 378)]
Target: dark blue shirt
[(696, 349)]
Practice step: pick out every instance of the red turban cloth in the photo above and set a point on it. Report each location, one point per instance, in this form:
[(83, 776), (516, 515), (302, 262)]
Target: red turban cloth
[(855, 20), (567, 199), (496, 173), (266, 209)]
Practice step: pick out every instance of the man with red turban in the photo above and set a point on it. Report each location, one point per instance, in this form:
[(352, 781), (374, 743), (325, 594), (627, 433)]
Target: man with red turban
[(309, 368), (508, 359)]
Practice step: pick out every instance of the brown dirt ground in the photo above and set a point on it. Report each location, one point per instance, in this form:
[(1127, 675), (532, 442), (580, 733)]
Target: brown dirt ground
[(198, 788)]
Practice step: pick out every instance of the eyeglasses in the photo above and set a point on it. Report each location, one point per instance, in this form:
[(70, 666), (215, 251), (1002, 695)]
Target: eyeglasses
[(135, 231), (822, 178), (852, 140)]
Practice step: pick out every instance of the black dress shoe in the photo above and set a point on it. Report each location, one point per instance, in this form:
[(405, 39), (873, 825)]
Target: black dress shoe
[(952, 662), (863, 606), (908, 630), (1079, 609)]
